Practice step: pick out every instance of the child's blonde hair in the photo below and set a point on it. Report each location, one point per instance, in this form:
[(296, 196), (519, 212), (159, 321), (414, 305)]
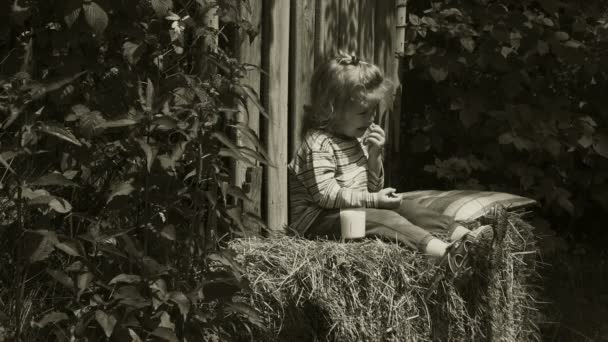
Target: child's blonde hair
[(339, 81)]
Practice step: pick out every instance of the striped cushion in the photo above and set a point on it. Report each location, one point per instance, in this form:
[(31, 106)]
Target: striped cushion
[(466, 205)]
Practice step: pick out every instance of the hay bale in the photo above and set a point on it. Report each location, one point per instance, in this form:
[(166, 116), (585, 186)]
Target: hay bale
[(378, 291)]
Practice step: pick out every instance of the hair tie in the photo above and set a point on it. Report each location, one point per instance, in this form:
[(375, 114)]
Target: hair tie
[(353, 60)]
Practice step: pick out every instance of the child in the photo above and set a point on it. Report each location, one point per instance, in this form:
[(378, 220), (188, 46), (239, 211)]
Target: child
[(339, 165)]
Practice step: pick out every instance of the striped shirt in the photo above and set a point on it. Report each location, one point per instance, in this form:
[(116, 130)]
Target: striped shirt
[(329, 172)]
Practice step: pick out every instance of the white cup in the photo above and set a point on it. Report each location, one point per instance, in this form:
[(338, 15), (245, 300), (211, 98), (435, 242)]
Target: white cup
[(352, 223)]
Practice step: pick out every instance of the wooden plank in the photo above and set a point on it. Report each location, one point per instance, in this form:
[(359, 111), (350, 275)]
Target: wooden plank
[(301, 66), (250, 51), (276, 22), (366, 36), (349, 26), (327, 29), (385, 58), (401, 22)]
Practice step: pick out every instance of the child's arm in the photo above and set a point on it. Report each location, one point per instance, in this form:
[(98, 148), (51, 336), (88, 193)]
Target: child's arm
[(375, 175), (317, 173), (315, 169)]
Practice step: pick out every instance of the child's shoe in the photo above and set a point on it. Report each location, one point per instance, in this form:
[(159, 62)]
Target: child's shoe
[(457, 255)]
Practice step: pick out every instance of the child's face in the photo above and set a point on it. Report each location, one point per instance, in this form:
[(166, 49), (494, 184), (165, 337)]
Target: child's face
[(354, 119)]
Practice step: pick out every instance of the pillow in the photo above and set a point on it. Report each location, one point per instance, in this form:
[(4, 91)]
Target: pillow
[(466, 205)]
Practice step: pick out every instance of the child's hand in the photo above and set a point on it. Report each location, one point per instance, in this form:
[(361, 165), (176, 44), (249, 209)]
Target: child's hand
[(375, 139), (387, 199)]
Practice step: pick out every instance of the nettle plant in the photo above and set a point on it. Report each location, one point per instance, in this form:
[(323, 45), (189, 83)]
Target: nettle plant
[(116, 191), (510, 96)]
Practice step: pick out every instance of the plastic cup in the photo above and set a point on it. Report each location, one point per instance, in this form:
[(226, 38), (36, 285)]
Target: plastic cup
[(352, 223)]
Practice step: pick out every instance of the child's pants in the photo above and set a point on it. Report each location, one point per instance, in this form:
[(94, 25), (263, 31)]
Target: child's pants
[(410, 224)]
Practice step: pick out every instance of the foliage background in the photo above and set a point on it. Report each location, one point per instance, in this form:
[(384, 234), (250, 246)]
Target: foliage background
[(511, 96), (115, 195)]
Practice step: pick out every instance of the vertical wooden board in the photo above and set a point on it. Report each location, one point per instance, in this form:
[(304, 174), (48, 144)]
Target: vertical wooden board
[(327, 29), (301, 66), (249, 51), (401, 21), (349, 26), (385, 58), (366, 36), (276, 20)]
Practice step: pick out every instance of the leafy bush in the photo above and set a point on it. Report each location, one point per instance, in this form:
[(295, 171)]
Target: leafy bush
[(510, 96), (116, 193)]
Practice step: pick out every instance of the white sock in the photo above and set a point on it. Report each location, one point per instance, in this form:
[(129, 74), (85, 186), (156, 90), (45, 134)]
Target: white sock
[(458, 232), (436, 248)]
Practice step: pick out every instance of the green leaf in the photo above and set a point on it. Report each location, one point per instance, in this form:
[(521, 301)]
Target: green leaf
[(164, 124), (438, 74), (95, 16), (585, 140), (561, 35), (235, 191), (165, 321), (149, 96), (117, 123), (54, 179), (107, 322), (125, 278), (448, 12), (52, 317), (255, 98), (60, 205), (575, 44), (542, 48), (548, 22), (61, 277), (166, 334), (168, 232), (252, 137), (255, 155), (162, 7), (414, 19), (6, 165), (149, 151), (505, 138), (69, 248), (467, 43), (60, 132), (46, 245), (39, 90), (132, 52), (83, 282), (72, 11), (600, 145), (122, 189), (225, 152), (134, 336), (80, 109), (182, 302), (226, 257), (226, 141), (247, 311)]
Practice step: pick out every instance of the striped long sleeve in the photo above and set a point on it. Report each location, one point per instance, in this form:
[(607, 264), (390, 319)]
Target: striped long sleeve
[(318, 174), (329, 172)]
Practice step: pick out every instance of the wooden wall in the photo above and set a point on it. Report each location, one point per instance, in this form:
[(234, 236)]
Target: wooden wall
[(295, 36)]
